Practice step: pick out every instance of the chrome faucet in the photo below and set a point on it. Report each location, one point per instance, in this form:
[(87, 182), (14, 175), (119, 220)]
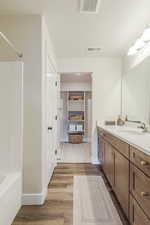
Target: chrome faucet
[(143, 125)]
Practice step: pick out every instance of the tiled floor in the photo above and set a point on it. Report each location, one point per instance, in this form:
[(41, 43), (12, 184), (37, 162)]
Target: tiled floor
[(58, 208), (75, 153)]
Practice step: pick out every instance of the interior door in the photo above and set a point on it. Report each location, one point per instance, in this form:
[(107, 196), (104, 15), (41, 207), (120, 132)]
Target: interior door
[(50, 121), (51, 118)]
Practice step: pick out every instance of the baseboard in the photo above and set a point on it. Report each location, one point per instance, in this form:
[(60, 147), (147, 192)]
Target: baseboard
[(34, 199), (95, 162)]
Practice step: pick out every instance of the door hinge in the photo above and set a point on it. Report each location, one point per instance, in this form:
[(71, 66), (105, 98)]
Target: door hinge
[(56, 152), (56, 83), (56, 117)]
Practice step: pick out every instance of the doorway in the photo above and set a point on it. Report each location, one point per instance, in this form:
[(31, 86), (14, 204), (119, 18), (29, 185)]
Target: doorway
[(75, 117)]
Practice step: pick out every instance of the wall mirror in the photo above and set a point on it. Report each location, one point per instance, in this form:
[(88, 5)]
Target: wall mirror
[(136, 92)]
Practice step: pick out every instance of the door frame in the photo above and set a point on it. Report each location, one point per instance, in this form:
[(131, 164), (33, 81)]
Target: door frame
[(92, 133)]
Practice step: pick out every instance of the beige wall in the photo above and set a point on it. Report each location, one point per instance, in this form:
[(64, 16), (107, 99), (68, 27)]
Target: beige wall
[(24, 32)]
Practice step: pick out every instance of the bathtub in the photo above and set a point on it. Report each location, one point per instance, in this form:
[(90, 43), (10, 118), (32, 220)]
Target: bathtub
[(10, 197)]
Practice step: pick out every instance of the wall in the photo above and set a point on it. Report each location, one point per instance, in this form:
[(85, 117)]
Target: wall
[(24, 32), (11, 116), (11, 133), (106, 88), (68, 86)]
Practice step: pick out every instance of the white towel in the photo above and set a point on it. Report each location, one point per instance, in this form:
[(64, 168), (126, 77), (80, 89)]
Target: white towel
[(79, 127), (72, 127)]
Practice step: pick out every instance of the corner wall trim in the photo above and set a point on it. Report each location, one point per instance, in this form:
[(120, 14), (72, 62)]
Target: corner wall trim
[(35, 198)]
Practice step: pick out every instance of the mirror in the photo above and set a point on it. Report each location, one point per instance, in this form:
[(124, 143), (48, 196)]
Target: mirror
[(136, 92)]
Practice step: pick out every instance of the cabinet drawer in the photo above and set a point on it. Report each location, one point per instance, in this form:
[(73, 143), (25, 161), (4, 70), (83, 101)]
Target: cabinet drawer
[(140, 188), (137, 216), (140, 159), (120, 145)]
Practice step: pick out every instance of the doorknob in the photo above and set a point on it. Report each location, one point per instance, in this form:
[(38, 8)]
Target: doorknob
[(50, 128)]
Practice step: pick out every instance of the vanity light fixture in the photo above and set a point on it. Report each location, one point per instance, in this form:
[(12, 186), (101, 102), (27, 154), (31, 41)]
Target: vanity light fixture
[(132, 51), (140, 42), (146, 35)]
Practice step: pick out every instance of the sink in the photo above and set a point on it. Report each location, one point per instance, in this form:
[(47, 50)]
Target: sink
[(135, 132)]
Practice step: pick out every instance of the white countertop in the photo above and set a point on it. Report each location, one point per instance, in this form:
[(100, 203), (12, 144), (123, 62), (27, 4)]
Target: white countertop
[(133, 136)]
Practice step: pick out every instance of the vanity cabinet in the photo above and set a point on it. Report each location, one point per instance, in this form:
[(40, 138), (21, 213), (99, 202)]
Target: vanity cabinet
[(115, 165), (101, 152), (121, 187), (137, 216), (140, 188), (128, 172), (108, 165), (140, 159)]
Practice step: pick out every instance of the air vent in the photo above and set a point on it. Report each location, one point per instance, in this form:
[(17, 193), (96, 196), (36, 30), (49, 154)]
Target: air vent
[(94, 50), (89, 6)]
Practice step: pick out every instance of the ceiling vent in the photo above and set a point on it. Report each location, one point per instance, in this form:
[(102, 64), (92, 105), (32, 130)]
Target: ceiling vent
[(94, 50), (89, 6)]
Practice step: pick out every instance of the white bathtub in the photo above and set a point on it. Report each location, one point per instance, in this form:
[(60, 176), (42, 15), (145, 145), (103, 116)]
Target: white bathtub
[(10, 197)]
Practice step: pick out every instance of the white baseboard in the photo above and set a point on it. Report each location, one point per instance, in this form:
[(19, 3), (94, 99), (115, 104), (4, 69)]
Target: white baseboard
[(34, 199), (38, 198), (96, 162)]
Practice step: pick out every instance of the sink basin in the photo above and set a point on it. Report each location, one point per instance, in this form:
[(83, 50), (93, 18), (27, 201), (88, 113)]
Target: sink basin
[(135, 132)]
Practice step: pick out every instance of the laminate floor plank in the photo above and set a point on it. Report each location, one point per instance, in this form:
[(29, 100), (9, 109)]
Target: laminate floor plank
[(58, 207)]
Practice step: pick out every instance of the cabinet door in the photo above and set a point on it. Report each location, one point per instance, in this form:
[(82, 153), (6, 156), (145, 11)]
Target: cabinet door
[(137, 216), (109, 163), (101, 150), (122, 181)]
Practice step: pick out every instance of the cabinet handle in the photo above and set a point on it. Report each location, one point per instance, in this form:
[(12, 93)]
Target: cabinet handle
[(144, 163), (143, 194)]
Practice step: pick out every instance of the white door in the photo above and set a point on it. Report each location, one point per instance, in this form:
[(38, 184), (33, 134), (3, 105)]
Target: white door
[(51, 118)]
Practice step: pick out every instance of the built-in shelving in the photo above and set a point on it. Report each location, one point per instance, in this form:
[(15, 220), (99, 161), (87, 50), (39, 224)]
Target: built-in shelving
[(76, 113), (78, 107)]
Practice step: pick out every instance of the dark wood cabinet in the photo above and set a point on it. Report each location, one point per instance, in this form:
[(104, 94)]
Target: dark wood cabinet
[(101, 152), (140, 188), (137, 215), (118, 144), (121, 186), (108, 165), (140, 159), (128, 172)]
